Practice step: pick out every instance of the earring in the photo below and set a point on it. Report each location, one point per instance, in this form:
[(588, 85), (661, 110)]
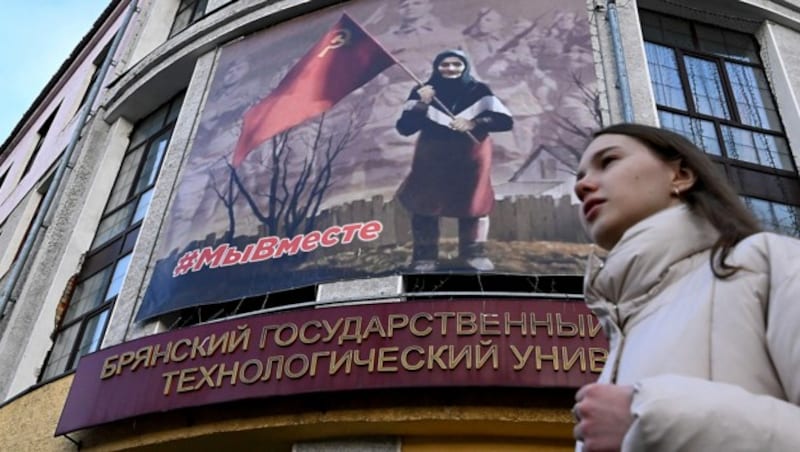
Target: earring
[(676, 191)]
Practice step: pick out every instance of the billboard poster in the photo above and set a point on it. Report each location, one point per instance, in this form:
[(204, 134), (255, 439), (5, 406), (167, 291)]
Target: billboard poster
[(384, 137)]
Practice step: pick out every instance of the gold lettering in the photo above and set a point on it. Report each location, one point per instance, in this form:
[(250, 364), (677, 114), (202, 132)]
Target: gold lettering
[(488, 321), (168, 376), (435, 356), (492, 353), (522, 358), (374, 326), (443, 316), (466, 324), (205, 377), (387, 355), (304, 365), (185, 377), (548, 323), (293, 332), (254, 363), (578, 356), (346, 361), (540, 357), (464, 355), (413, 324), (109, 367), (396, 322), (597, 358), (404, 358), (519, 323)]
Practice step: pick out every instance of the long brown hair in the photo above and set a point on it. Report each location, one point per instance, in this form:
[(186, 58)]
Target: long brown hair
[(711, 196)]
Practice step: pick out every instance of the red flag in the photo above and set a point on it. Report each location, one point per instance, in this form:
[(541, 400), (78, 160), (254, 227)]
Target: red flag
[(343, 60)]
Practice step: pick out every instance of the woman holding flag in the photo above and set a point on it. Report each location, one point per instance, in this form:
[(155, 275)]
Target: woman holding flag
[(450, 172)]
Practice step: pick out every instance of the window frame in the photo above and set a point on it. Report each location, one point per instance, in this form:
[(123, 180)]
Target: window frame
[(107, 254), (750, 179), (41, 135), (198, 11)]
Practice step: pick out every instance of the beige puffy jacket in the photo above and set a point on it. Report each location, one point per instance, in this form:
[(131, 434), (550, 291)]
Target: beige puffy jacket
[(715, 362)]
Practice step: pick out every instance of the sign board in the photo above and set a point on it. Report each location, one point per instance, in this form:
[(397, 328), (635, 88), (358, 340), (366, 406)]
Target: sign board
[(415, 344)]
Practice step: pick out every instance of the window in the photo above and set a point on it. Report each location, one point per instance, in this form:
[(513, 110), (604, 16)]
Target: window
[(710, 86), (189, 12), (40, 136), (3, 177), (80, 330), (27, 231), (97, 63), (774, 216), (42, 191)]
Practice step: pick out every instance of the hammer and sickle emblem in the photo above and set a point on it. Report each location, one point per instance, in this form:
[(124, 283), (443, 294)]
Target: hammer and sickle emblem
[(339, 39)]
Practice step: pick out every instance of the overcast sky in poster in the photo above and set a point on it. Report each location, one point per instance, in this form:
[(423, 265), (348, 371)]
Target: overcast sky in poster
[(36, 37)]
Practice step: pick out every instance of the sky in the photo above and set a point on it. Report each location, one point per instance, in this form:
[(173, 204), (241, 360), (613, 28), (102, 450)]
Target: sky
[(36, 36)]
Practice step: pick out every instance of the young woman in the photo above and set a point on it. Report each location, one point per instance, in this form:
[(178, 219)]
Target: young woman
[(702, 310), (451, 170)]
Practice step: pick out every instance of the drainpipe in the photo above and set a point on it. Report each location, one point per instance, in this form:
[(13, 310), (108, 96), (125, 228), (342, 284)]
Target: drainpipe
[(619, 62), (27, 247)]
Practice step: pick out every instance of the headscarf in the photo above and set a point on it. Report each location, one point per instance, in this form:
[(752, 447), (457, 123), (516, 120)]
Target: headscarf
[(448, 90)]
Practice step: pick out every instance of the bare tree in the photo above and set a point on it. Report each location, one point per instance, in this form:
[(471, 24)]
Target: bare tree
[(297, 186), (571, 135), (228, 195)]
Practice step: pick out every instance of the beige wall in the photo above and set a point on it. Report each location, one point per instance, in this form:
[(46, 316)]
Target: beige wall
[(417, 429), (28, 422)]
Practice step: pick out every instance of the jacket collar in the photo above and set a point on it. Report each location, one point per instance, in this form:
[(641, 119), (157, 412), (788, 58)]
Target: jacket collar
[(641, 259)]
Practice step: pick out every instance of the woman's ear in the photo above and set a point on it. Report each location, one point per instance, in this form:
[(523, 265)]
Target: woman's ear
[(684, 177)]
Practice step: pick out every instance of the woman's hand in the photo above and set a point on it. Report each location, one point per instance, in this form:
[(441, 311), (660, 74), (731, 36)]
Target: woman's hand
[(462, 125), (603, 415), (426, 94)]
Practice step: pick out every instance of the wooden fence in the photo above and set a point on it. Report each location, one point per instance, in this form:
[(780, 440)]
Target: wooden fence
[(521, 218), (524, 218)]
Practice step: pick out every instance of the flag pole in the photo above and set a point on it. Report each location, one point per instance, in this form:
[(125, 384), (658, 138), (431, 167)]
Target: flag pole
[(435, 99), (414, 77)]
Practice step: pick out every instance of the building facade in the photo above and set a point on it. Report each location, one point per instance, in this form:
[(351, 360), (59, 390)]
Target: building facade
[(211, 218)]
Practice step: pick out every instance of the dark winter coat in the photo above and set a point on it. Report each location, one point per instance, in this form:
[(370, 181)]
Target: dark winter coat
[(450, 173)]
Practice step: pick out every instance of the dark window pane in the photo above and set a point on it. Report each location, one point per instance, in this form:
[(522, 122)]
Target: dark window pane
[(93, 334), (127, 172), (59, 355), (148, 126), (666, 30), (174, 109), (120, 270), (182, 21), (88, 295), (114, 224), (706, 87), (199, 10), (665, 79), (698, 131), (752, 96), (142, 205), (727, 43), (155, 153), (774, 216), (754, 147)]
